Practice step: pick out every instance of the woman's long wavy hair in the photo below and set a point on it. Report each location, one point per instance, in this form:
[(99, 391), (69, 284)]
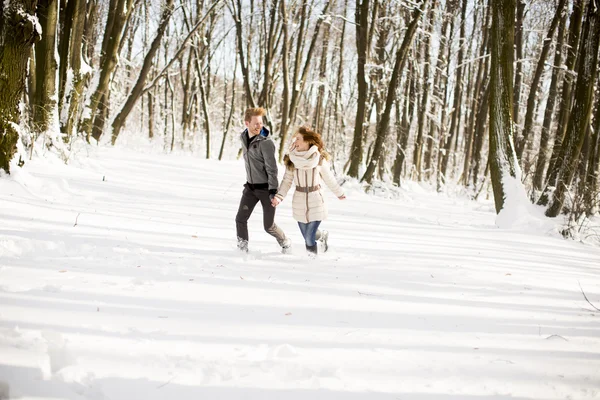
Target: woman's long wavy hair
[(313, 139)]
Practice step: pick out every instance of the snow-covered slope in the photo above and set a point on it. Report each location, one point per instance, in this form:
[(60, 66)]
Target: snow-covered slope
[(119, 279)]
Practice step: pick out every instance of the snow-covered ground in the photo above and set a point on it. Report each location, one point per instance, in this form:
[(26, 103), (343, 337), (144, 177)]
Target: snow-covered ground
[(119, 280)]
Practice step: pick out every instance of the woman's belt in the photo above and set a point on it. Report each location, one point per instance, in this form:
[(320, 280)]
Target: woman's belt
[(308, 189)]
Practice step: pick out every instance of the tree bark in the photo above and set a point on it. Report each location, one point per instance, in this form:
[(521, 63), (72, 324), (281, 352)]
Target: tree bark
[(45, 107), (300, 79), (231, 108), (74, 99), (382, 127), (503, 162), (136, 92), (519, 58), (593, 172), (456, 111), (362, 28), (537, 77), (236, 12), (476, 102), (419, 143), (112, 37), (582, 107), (440, 84), (18, 33), (543, 154), (319, 113), (565, 100), (67, 19), (285, 101), (403, 124)]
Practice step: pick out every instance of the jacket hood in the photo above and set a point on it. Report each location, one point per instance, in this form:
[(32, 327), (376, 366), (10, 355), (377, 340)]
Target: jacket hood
[(264, 132)]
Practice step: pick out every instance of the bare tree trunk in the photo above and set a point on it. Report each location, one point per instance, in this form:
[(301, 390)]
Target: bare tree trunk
[(204, 104), (476, 102), (480, 132), (73, 100), (582, 107), (264, 98), (382, 127), (443, 125), (18, 33), (362, 27), (440, 84), (537, 77), (503, 162), (138, 89), (286, 76), (593, 172), (150, 115), (519, 58), (136, 92), (418, 151), (456, 113), (45, 108), (112, 37), (300, 79), (186, 114), (403, 126), (66, 19), (339, 80), (543, 155), (236, 12), (319, 113), (565, 101), (231, 108), (89, 34)]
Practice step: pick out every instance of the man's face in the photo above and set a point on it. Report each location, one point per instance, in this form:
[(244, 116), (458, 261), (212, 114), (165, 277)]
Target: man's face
[(254, 125)]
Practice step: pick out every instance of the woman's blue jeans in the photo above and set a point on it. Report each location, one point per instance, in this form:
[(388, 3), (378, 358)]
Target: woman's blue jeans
[(309, 231)]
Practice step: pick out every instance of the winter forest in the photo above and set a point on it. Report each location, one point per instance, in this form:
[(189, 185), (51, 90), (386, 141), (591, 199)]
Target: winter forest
[(432, 91), (462, 264)]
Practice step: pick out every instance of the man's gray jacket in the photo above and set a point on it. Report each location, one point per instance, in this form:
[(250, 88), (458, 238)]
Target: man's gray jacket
[(261, 165)]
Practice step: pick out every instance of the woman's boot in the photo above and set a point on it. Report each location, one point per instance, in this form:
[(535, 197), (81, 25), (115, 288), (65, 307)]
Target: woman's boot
[(312, 250)]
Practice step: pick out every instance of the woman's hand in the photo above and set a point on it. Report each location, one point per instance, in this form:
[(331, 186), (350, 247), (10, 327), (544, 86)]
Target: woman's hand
[(342, 197), (275, 202)]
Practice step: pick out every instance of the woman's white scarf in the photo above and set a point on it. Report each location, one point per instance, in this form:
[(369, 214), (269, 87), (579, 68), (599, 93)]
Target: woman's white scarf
[(308, 159)]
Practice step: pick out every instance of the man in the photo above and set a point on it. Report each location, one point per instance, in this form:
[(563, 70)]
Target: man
[(261, 180)]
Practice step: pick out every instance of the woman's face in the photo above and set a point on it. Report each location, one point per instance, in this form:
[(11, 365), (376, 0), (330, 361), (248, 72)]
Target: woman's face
[(300, 144)]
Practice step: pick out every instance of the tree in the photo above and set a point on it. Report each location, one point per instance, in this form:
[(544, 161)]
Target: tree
[(45, 107), (456, 109), (113, 34), (537, 77), (419, 143), (582, 108), (362, 48), (502, 159), (18, 33), (382, 127), (136, 92)]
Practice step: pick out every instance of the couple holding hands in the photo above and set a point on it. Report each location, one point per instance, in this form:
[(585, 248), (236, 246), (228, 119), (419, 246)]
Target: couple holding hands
[(306, 165)]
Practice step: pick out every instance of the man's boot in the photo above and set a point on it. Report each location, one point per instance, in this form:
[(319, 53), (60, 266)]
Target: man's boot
[(242, 245), (286, 245)]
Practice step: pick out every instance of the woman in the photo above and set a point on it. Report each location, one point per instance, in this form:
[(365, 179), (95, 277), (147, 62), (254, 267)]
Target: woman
[(307, 164)]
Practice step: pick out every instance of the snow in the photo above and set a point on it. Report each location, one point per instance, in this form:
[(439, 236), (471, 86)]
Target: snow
[(119, 279), (64, 113), (85, 67)]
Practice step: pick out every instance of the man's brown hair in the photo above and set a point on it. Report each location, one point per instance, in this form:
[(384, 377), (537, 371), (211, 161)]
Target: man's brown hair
[(253, 112)]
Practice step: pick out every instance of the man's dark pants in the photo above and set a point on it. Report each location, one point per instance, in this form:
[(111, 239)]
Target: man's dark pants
[(249, 200)]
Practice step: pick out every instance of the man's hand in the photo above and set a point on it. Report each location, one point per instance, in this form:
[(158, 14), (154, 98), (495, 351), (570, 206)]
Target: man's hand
[(275, 201), (342, 197)]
